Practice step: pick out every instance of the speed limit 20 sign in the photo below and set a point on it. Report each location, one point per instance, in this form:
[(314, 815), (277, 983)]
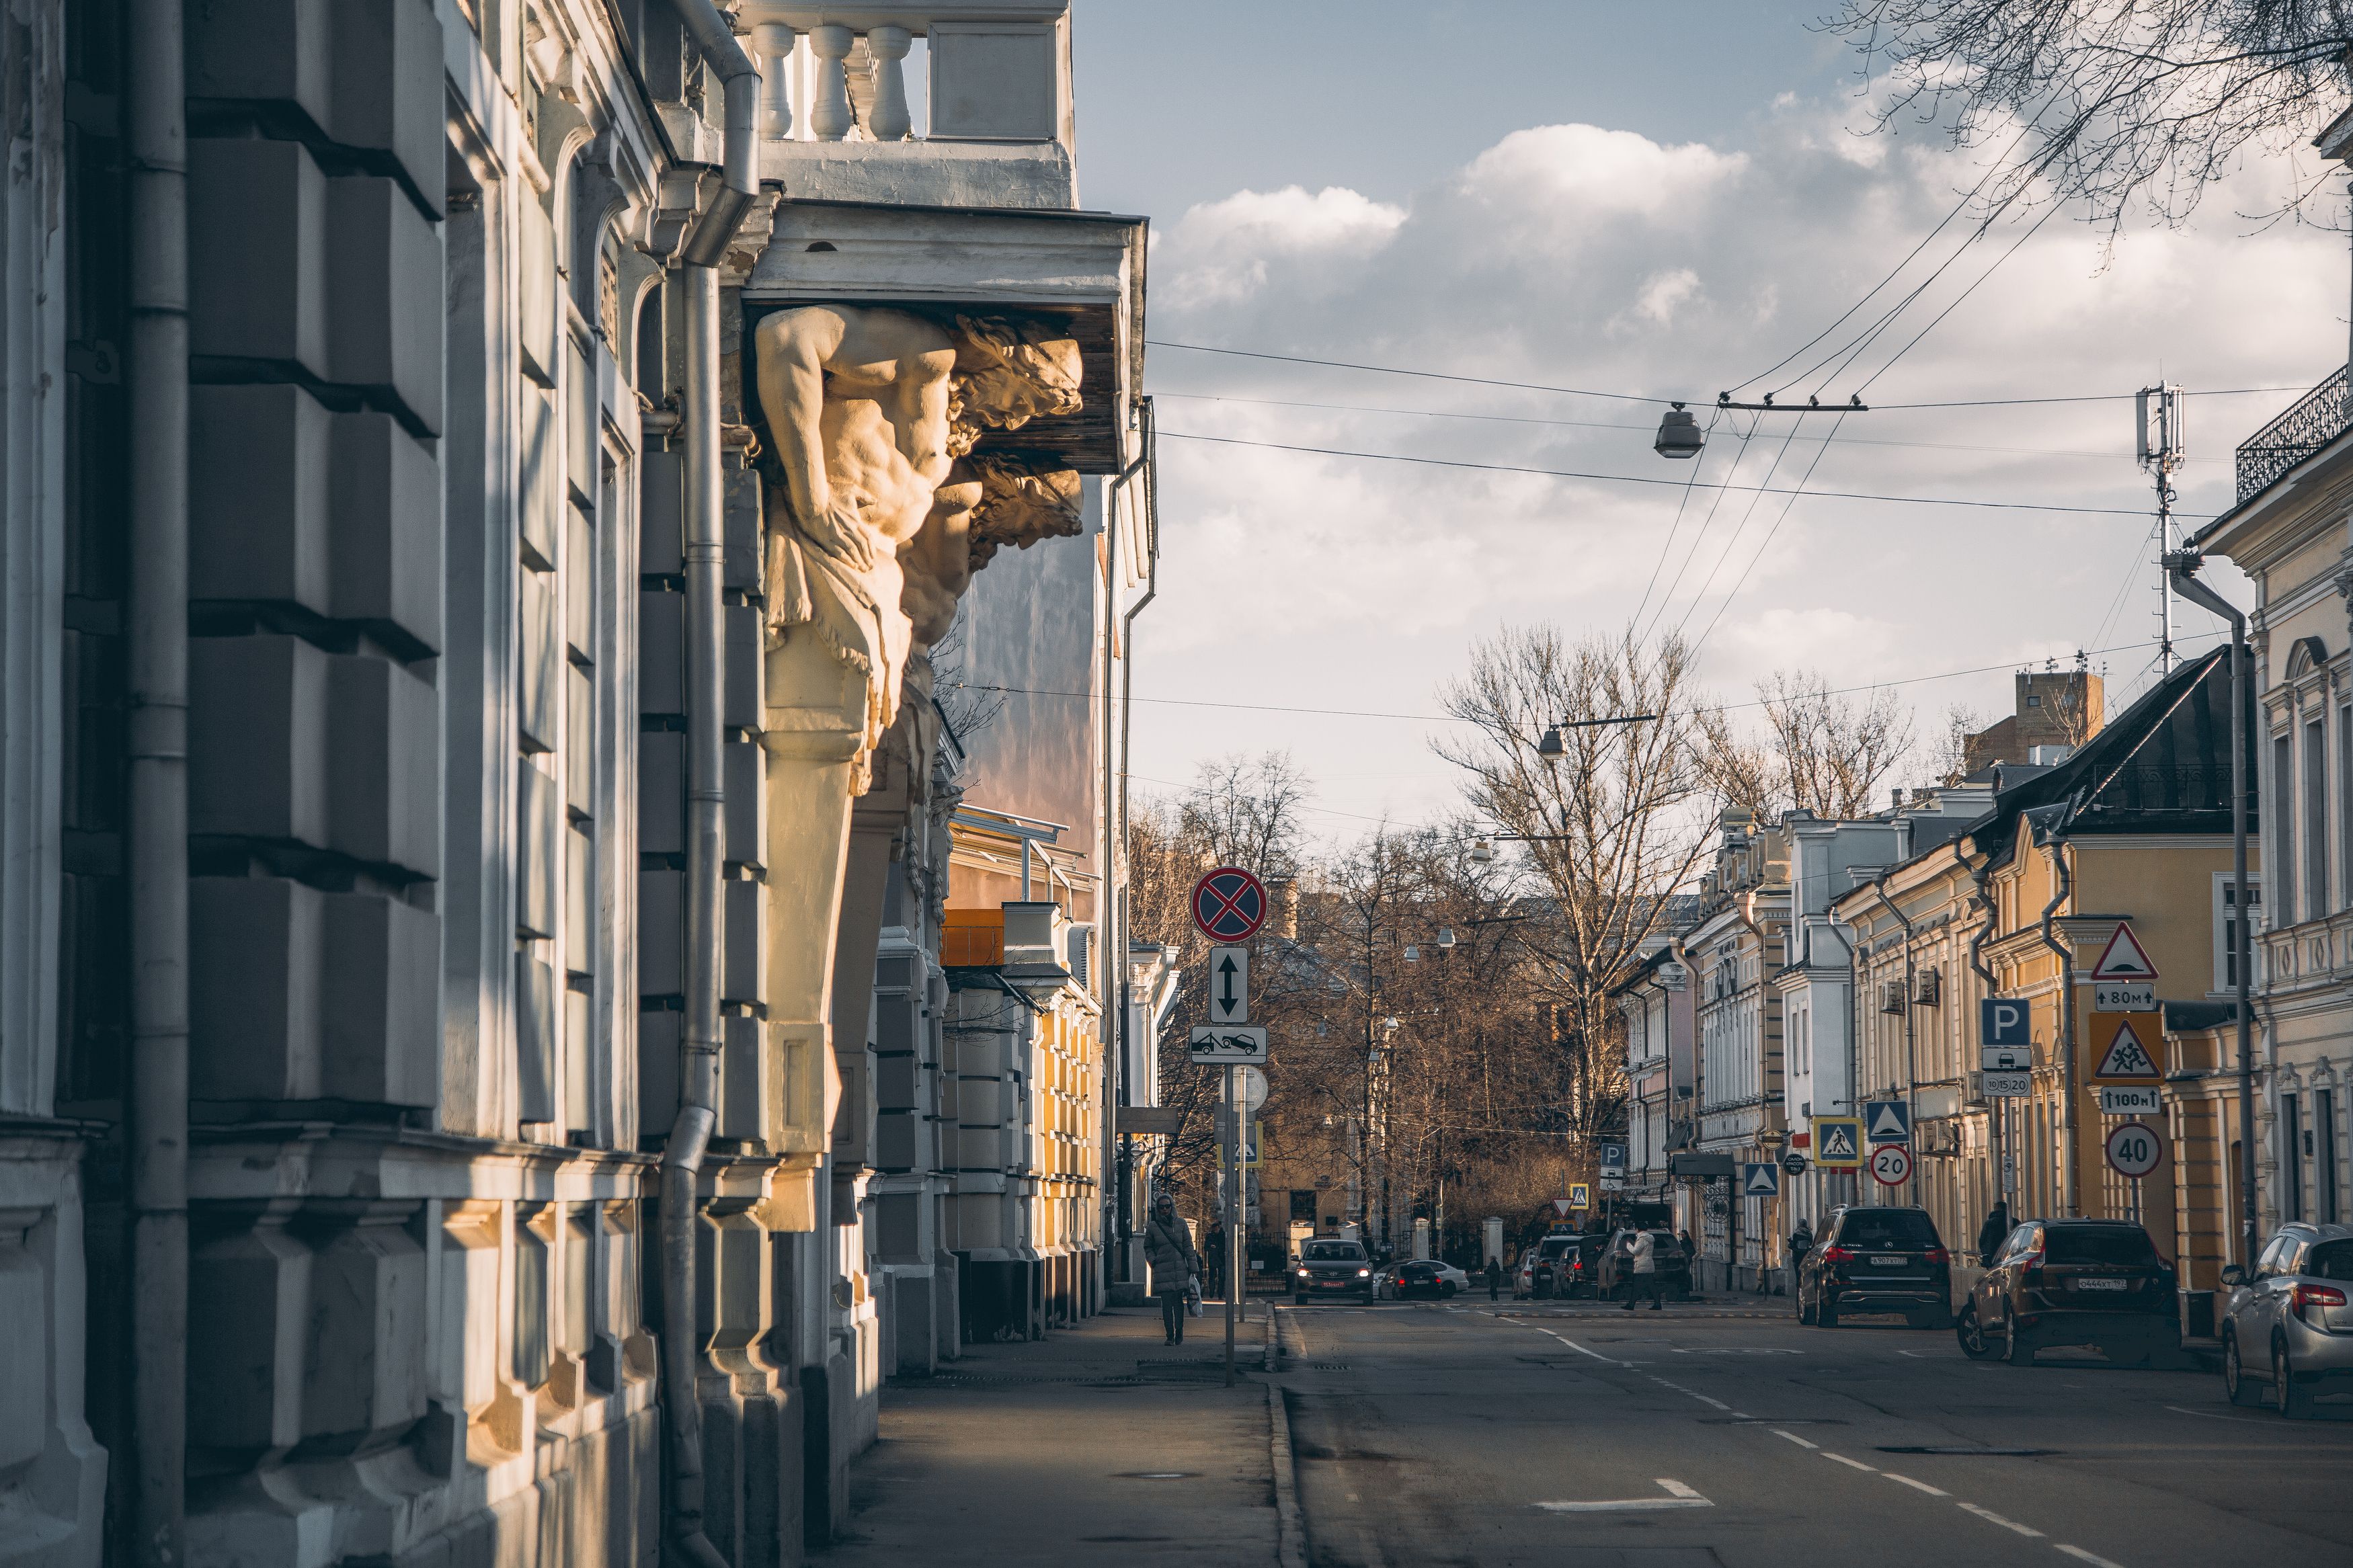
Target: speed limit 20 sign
[(2134, 1148), (1891, 1164)]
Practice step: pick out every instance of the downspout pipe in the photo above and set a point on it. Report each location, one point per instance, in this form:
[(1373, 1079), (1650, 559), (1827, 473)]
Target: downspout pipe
[(690, 1133), (1878, 885), (1126, 710), (1996, 1113), (1110, 935), (2055, 842), (2181, 567), (156, 1145)]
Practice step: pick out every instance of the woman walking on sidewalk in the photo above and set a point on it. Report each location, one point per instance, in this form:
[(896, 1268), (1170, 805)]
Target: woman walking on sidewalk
[(1168, 1248)]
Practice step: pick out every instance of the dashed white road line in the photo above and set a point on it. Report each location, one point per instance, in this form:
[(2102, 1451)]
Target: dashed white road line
[(1679, 1496), (1915, 1486), (1793, 1438), (1854, 1464), (1992, 1518), (2080, 1555)]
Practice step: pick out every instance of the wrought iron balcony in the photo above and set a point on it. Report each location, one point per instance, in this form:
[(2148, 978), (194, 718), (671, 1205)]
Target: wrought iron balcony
[(2318, 417)]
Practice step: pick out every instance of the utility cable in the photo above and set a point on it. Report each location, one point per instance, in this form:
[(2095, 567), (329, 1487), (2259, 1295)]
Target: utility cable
[(1742, 527), (1636, 479), (1787, 507)]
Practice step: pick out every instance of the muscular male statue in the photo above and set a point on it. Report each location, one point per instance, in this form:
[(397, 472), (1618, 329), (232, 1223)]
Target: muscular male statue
[(870, 410)]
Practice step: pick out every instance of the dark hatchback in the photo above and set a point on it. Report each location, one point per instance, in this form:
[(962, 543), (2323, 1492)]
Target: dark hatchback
[(1332, 1268), (2073, 1283), (1877, 1259)]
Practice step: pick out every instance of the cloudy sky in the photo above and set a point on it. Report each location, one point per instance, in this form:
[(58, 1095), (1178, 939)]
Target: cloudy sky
[(1622, 198)]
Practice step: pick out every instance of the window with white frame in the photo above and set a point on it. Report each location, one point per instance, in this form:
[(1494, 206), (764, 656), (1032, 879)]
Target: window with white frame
[(2230, 935)]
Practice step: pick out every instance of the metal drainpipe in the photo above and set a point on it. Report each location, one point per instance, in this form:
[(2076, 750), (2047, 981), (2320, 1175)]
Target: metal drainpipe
[(1996, 1111), (1126, 710), (690, 1133), (1911, 1064), (2069, 1202), (156, 740), (1107, 908)]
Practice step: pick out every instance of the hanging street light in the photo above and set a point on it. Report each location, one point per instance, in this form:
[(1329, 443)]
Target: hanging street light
[(1549, 748), (1412, 953), (1482, 850), (1445, 938), (1679, 434)]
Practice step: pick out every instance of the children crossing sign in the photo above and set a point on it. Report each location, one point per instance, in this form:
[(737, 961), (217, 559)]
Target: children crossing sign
[(2126, 1044), (1838, 1142)]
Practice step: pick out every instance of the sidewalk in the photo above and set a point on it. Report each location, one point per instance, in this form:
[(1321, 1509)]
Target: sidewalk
[(1040, 1453)]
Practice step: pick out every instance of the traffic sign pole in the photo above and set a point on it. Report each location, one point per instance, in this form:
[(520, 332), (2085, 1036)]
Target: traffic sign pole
[(1235, 1113)]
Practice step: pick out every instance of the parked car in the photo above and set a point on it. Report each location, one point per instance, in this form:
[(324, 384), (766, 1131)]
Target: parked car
[(1415, 1276), (1612, 1270), (2097, 1282), (1541, 1272), (2289, 1326), (1332, 1268), (1877, 1258), (1455, 1278)]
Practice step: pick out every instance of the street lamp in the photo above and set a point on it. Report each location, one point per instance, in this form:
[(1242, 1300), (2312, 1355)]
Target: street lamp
[(1679, 434), (1445, 938), (1550, 747)]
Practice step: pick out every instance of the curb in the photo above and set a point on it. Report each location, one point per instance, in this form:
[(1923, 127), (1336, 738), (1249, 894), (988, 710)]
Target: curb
[(1289, 1530)]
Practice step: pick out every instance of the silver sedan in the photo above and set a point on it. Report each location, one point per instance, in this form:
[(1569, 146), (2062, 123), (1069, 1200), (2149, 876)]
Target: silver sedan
[(2288, 1327)]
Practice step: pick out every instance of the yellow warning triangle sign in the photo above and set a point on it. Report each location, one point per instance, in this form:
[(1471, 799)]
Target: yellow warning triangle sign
[(2124, 958), (2126, 1056)]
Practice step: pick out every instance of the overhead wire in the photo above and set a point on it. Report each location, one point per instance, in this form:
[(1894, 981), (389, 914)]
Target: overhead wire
[(1769, 536), (1682, 503), (1638, 480)]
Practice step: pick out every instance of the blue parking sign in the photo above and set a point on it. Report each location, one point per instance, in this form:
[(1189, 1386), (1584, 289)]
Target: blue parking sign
[(2004, 1021)]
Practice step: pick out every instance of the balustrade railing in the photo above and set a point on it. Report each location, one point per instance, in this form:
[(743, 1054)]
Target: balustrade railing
[(2317, 418), (839, 74)]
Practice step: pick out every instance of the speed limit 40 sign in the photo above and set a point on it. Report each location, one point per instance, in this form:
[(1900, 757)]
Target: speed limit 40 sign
[(2134, 1148)]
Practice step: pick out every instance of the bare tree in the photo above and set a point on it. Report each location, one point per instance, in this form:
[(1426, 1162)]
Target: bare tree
[(1962, 721), (1615, 824), (2119, 103), (1821, 752)]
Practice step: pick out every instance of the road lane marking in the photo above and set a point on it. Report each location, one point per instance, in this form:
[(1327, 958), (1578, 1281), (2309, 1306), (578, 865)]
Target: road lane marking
[(1793, 1438), (2218, 1415), (1992, 1518), (2081, 1555), (1853, 1464), (1681, 1496), (1915, 1486), (1596, 1356), (1915, 1355), (1704, 1399)]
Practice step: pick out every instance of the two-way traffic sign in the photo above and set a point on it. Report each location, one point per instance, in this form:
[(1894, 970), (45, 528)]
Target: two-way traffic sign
[(1229, 986)]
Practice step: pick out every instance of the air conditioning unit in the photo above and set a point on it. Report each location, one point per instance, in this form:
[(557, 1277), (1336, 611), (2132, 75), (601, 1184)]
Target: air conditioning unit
[(1924, 987), (1891, 996), (1975, 1093)]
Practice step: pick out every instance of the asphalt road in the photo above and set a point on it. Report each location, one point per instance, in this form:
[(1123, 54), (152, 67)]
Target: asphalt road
[(1574, 1435)]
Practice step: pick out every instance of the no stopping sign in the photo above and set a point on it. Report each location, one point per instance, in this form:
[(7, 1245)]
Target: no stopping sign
[(1229, 904)]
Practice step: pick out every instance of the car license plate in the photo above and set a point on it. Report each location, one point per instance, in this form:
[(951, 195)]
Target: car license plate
[(2099, 1284), (1888, 1262)]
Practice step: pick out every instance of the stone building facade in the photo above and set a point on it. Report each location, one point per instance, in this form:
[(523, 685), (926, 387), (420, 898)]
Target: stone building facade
[(466, 782)]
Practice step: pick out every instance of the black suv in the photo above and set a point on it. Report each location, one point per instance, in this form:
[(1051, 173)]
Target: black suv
[(2073, 1283), (1877, 1259)]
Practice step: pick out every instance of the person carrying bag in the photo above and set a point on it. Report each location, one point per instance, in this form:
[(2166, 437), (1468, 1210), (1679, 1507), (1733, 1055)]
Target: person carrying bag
[(1175, 1268)]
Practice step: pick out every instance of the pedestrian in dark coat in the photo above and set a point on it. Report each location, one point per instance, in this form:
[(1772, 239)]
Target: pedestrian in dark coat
[(1495, 1278), (1993, 1233), (1168, 1248)]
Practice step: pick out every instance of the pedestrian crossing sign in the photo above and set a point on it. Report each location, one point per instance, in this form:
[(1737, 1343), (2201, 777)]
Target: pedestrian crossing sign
[(1581, 1196), (2125, 1056), (1838, 1142)]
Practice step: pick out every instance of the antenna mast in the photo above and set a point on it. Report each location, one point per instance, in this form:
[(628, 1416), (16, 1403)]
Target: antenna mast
[(2163, 445)]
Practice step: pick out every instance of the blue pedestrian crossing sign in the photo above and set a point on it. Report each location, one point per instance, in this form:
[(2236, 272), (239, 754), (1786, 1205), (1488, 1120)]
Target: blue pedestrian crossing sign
[(1760, 1181), (1887, 1121), (1838, 1142)]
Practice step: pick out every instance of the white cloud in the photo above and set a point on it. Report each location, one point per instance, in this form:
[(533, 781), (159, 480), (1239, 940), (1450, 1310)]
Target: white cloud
[(1575, 256)]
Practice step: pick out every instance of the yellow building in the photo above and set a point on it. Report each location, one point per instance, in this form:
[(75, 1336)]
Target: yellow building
[(2132, 830)]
